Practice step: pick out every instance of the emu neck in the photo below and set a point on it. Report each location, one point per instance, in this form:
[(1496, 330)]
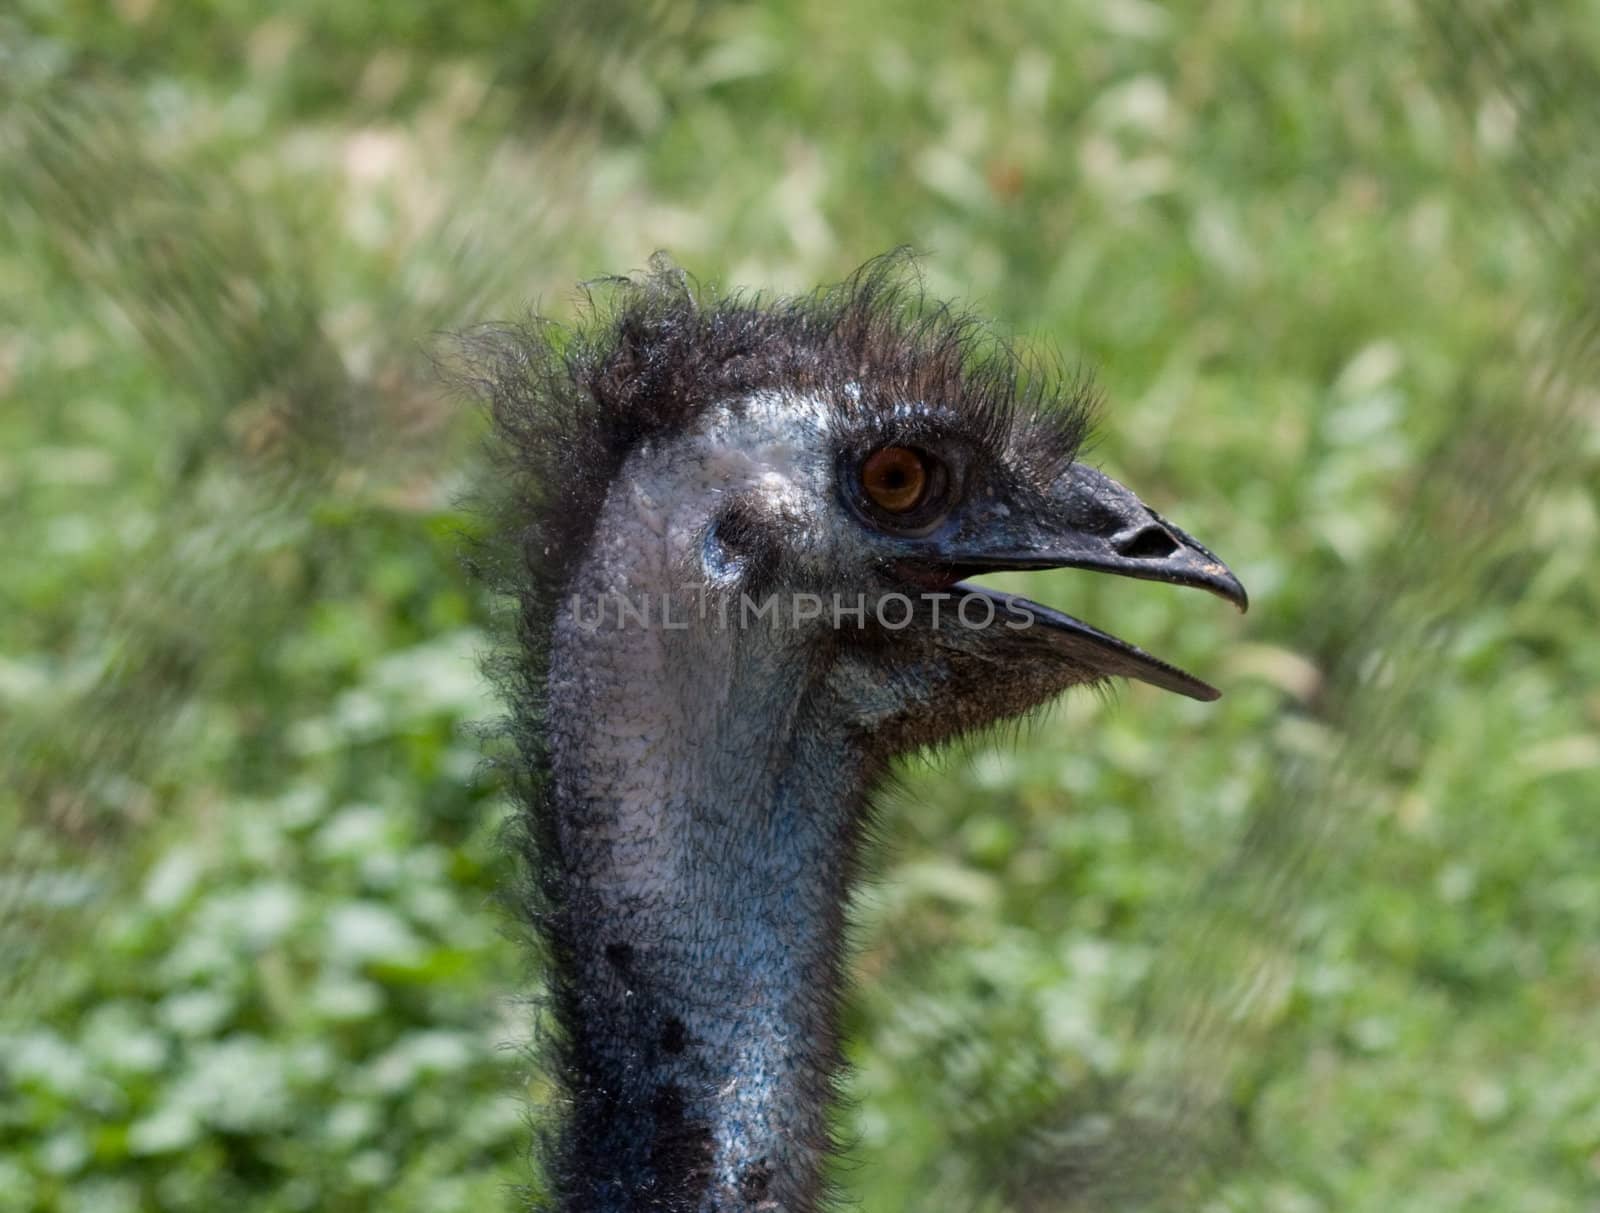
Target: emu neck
[(706, 812)]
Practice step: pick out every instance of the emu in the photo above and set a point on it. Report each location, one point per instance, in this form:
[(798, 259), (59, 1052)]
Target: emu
[(738, 531)]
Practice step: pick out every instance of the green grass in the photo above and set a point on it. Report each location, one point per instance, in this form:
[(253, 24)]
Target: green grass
[(1322, 259)]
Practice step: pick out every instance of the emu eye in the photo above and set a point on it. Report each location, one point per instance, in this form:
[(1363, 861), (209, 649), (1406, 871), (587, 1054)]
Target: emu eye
[(896, 479)]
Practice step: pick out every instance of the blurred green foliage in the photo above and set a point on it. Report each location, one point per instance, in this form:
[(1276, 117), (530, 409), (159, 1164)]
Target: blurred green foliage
[(1331, 264)]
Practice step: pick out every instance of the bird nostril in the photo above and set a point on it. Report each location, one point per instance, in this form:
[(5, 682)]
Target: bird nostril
[(1147, 543)]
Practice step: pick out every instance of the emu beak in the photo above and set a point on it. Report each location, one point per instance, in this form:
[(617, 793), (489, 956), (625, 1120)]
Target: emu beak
[(1089, 521)]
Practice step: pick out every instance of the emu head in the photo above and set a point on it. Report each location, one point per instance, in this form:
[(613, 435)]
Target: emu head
[(810, 481)]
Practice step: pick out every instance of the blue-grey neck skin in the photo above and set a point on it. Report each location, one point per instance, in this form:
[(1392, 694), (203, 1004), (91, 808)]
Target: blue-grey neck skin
[(707, 794), (710, 970)]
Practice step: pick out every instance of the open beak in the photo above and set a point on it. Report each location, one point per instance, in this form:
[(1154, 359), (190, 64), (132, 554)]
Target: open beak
[(1089, 521)]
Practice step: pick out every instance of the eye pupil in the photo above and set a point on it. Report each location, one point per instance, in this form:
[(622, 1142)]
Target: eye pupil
[(896, 478)]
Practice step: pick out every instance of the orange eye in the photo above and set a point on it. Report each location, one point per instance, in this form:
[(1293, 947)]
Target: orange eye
[(896, 478)]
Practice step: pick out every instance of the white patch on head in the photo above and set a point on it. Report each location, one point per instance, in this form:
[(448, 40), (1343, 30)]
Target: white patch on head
[(769, 443)]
